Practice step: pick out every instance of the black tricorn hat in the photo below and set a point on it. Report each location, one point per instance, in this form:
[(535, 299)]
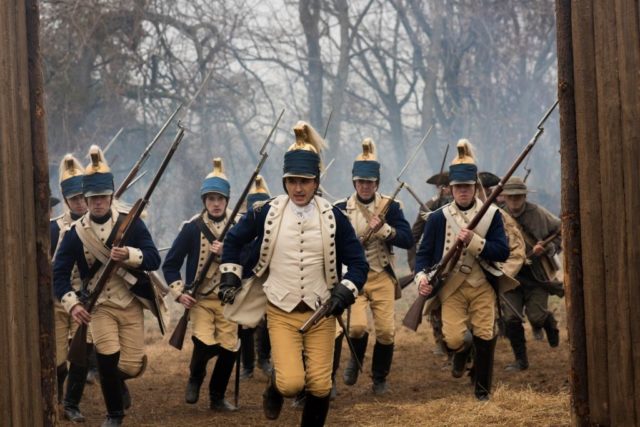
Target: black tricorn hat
[(439, 179), (488, 179)]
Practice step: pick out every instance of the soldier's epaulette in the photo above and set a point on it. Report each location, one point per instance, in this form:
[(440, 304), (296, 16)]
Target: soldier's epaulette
[(56, 218), (122, 207), (384, 196), (257, 206)]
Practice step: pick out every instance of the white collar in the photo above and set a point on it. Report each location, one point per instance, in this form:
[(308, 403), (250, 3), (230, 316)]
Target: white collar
[(303, 212)]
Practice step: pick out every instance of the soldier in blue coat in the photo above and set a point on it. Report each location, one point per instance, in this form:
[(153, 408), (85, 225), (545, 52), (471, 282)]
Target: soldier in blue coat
[(468, 297), (302, 244), (117, 322), (75, 206), (382, 289), (213, 335)]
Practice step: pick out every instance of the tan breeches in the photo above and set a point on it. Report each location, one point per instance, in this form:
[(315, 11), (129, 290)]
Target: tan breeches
[(379, 295), (66, 328), (468, 305), (288, 347), (210, 326), (120, 329)]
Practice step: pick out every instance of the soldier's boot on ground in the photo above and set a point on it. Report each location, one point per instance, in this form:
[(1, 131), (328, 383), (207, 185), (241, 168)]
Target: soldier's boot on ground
[(483, 363), (73, 394), (248, 353), (337, 352), (551, 328), (380, 367), (461, 356), (198, 369), (538, 333), (111, 385), (272, 400), (350, 375), (220, 380), (61, 375), (515, 332), (315, 411)]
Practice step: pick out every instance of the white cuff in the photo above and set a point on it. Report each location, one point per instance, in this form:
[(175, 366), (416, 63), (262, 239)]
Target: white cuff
[(476, 245), (349, 285), (69, 300), (418, 277), (385, 232), (176, 288), (135, 257), (232, 268)]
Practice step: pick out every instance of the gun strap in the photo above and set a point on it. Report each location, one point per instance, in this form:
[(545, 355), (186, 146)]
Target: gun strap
[(97, 264), (205, 230)]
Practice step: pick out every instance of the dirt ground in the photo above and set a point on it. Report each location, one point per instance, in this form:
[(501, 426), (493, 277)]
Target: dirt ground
[(422, 389)]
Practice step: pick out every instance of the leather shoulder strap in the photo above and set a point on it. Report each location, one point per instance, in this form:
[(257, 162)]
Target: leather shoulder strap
[(204, 229)]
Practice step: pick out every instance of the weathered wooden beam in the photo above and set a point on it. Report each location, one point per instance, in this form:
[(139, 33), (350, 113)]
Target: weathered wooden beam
[(572, 248), (588, 151)]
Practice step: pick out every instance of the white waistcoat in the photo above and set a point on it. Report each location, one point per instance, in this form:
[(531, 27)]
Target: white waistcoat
[(297, 268)]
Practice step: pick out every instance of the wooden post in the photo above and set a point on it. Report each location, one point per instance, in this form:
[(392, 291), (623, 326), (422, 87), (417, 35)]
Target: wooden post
[(26, 320), (572, 248)]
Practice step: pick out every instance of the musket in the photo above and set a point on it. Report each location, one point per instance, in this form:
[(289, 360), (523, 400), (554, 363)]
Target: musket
[(177, 338), (324, 172), (136, 179), (112, 141), (386, 205), (179, 113), (326, 127), (545, 242), (415, 196), (437, 275), (78, 348)]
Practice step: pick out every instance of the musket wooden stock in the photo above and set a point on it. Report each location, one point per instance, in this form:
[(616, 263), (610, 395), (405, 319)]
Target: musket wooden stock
[(78, 348), (545, 242), (435, 275), (177, 338), (382, 212)]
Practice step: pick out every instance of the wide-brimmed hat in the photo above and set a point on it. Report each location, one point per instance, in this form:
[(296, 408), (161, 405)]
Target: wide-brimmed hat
[(216, 181), (515, 186), (439, 178), (302, 159), (487, 179)]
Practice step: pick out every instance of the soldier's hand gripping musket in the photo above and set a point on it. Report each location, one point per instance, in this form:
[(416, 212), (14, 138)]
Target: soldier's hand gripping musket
[(77, 350), (384, 208), (437, 275), (177, 338)]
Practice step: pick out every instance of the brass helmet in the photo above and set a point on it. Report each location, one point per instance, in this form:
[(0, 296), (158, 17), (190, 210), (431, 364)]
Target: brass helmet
[(259, 191), (216, 181), (366, 166), (71, 172), (98, 179), (302, 159), (463, 169)]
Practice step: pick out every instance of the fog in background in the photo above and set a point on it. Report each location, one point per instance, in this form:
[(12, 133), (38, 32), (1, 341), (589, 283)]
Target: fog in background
[(478, 69)]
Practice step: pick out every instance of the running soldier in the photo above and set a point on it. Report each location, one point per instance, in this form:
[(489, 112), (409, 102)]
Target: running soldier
[(536, 276), (381, 289), (74, 207), (303, 242), (212, 334), (117, 323)]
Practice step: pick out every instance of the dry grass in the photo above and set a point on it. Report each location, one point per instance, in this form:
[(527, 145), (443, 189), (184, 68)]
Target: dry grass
[(422, 389)]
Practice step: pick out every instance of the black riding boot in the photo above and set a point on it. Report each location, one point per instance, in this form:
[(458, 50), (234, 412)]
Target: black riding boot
[(220, 380), (483, 365), (515, 332), (111, 385), (337, 352), (75, 387), (272, 400), (350, 374), (315, 411), (380, 366), (198, 369), (61, 375), (247, 352), (551, 328), (461, 356)]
